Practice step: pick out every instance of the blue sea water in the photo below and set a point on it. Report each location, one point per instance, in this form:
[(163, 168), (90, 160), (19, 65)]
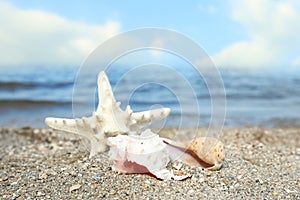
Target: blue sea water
[(266, 99)]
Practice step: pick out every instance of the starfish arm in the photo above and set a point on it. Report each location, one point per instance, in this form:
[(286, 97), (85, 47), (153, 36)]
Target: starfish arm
[(151, 115), (77, 126), (105, 95), (145, 118), (97, 146), (81, 127)]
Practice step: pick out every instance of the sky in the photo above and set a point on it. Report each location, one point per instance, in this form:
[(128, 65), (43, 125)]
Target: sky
[(243, 34)]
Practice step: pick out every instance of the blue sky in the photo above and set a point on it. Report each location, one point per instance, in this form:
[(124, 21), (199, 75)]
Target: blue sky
[(236, 34)]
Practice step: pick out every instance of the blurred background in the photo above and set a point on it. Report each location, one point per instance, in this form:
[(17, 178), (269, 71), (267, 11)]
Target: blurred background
[(254, 43)]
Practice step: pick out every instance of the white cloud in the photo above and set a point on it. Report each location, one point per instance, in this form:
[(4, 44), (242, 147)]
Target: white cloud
[(274, 29), (32, 37)]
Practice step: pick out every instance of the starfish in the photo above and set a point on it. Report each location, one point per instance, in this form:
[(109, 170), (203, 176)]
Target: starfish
[(109, 120)]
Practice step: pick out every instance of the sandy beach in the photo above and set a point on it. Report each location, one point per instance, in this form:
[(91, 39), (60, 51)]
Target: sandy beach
[(46, 164)]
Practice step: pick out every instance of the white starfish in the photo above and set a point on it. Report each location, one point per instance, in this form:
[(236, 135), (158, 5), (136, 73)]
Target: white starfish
[(108, 120)]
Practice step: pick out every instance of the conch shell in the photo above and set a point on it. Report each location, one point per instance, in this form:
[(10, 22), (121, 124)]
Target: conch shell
[(142, 154), (204, 152)]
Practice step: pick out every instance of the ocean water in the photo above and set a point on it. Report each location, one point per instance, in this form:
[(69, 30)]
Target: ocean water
[(265, 99)]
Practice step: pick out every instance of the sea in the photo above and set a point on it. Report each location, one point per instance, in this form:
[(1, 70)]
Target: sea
[(269, 98)]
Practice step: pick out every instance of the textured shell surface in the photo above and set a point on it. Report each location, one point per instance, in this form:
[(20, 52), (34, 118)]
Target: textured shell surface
[(204, 152), (147, 150)]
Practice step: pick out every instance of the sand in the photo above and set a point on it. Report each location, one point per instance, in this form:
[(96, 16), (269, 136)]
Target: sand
[(46, 164)]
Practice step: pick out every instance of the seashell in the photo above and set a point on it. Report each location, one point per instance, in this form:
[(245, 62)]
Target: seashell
[(203, 152), (146, 153)]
